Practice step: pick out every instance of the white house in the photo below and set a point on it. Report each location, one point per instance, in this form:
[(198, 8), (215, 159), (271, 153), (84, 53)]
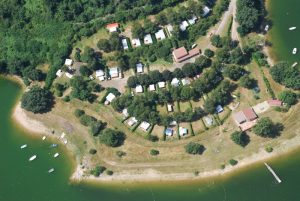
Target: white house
[(160, 35), (139, 89), (206, 11), (59, 73), (99, 73), (69, 75), (110, 97), (175, 82), (169, 29), (132, 121), (68, 62), (161, 84), (136, 42), (145, 125), (139, 68), (112, 27), (152, 87), (148, 39), (183, 25), (192, 20), (185, 81), (183, 131), (114, 72), (124, 44)]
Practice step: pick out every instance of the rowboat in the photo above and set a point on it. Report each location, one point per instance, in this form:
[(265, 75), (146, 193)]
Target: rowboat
[(32, 158), (295, 51), (56, 155), (44, 138), (292, 28), (53, 145), (23, 146), (62, 135), (295, 64), (51, 170)]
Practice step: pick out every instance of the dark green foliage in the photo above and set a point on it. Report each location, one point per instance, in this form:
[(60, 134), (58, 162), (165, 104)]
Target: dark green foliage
[(234, 72), (98, 170), (87, 120), (216, 41), (247, 82), (152, 138), (190, 70), (285, 74), (120, 154), (167, 75), (109, 172), (112, 137), (122, 102), (233, 162), (240, 138), (178, 73), (81, 90), (96, 127), (37, 100), (288, 97), (194, 148), (93, 151), (78, 113), (155, 76), (202, 62), (209, 53), (66, 99), (266, 128), (269, 149), (154, 152), (85, 71)]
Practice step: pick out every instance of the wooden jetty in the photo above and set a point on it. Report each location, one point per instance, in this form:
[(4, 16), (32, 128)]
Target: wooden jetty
[(273, 173)]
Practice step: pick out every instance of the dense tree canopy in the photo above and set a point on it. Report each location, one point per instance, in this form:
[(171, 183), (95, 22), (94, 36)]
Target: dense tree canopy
[(194, 148), (37, 100), (266, 128), (112, 137), (288, 97)]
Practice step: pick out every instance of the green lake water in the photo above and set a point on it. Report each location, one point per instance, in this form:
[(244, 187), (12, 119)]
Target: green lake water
[(21, 180)]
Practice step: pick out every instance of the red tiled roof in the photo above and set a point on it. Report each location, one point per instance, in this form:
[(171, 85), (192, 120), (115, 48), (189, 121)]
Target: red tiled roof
[(274, 102), (249, 114), (113, 25), (180, 52), (239, 117)]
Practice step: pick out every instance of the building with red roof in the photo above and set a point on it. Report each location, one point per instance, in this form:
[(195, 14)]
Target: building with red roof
[(112, 27), (275, 102), (181, 54), (245, 119)]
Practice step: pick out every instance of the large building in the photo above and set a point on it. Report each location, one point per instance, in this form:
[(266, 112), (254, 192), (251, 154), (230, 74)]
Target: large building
[(181, 54)]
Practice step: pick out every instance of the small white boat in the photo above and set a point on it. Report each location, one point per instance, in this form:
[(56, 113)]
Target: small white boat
[(32, 158), (295, 64), (292, 28), (65, 141), (51, 170), (295, 51), (56, 155), (23, 146), (44, 138), (267, 28), (62, 135)]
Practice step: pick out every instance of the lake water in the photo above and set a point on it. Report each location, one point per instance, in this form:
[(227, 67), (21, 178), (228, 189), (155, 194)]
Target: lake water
[(21, 180)]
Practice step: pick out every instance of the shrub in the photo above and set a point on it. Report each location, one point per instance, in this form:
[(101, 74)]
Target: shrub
[(209, 53), (152, 138), (154, 152), (87, 120), (269, 149), (92, 151), (78, 113), (109, 172), (240, 138), (194, 148), (97, 127), (37, 100), (120, 153), (266, 128), (233, 162), (112, 137), (66, 99), (288, 97), (98, 170)]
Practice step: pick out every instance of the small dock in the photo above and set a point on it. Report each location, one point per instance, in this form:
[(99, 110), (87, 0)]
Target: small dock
[(273, 173)]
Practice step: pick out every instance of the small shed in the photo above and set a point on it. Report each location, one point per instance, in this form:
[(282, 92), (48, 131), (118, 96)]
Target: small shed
[(169, 132), (145, 125), (175, 82), (136, 42), (112, 27), (183, 131), (169, 29), (152, 87), (124, 44), (99, 73), (125, 112), (59, 73), (192, 20), (185, 81), (114, 72), (139, 89), (161, 84), (208, 120), (139, 68), (132, 121), (183, 25), (110, 97), (160, 35), (173, 123), (170, 107), (219, 109), (206, 11), (148, 39), (68, 62)]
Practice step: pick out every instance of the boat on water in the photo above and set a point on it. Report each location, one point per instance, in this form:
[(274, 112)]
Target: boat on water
[(295, 51), (23, 146), (295, 64), (44, 138), (273, 173), (53, 145), (292, 28), (51, 170), (32, 158), (56, 155), (62, 135), (267, 27)]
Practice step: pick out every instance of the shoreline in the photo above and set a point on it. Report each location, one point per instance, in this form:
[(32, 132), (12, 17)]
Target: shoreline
[(150, 175)]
